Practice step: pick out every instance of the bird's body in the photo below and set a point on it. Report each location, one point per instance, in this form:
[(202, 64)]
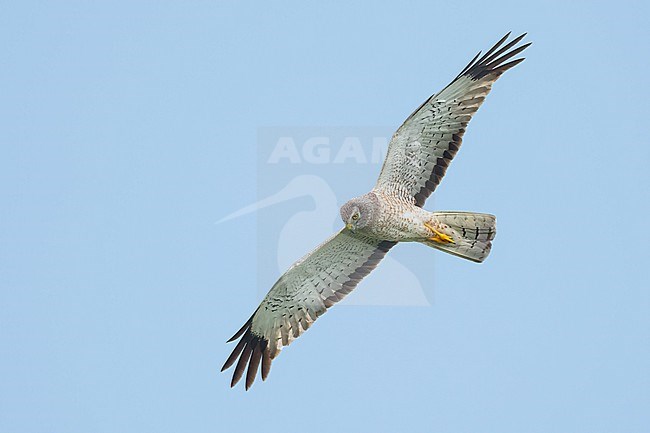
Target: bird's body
[(417, 159), (395, 219), (401, 221)]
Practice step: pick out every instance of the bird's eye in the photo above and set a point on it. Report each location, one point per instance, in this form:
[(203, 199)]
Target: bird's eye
[(355, 216)]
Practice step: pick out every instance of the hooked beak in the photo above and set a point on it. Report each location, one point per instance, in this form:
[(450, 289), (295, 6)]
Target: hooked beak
[(350, 227)]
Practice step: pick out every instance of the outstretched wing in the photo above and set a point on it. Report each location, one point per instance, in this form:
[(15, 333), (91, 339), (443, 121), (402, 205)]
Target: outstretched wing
[(312, 285), (422, 148)]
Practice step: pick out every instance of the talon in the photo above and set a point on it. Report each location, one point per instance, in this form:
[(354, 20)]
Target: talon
[(439, 237)]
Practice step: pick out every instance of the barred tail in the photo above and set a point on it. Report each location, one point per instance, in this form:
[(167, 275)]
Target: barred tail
[(472, 234)]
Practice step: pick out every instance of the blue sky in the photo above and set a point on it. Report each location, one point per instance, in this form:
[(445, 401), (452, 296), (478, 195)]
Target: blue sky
[(130, 128)]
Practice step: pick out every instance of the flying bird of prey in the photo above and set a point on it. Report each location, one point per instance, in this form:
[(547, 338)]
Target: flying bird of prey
[(417, 159)]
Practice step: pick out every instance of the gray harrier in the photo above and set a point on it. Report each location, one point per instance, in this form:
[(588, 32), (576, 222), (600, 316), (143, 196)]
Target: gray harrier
[(418, 156)]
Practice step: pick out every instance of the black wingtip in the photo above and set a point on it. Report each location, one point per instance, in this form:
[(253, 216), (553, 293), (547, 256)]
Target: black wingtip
[(233, 356), (489, 52), (266, 365), (493, 61), (253, 365), (242, 329), (469, 65), (251, 351)]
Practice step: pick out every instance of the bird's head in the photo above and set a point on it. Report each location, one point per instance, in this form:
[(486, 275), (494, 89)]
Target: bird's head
[(359, 212)]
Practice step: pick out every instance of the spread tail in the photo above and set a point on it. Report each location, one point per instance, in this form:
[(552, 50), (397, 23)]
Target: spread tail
[(464, 234)]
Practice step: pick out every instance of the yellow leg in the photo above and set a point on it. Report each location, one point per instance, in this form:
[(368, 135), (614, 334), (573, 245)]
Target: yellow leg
[(438, 237)]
